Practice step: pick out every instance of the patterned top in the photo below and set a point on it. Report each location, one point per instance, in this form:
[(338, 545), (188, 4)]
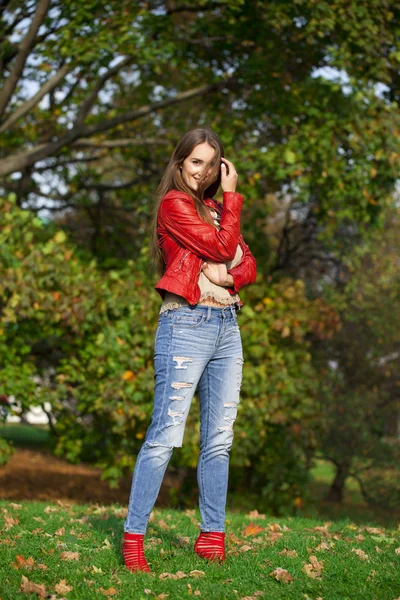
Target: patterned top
[(208, 290)]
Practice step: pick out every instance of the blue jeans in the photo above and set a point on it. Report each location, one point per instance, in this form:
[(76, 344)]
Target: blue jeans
[(194, 346)]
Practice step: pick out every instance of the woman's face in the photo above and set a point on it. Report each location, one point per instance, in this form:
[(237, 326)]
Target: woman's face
[(198, 165)]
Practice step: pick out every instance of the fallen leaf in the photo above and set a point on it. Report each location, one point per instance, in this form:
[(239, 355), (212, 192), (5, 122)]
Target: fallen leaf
[(197, 592), (195, 573), (375, 530), (281, 575), (42, 566), (10, 522), (360, 553), (110, 592), (245, 548), (184, 540), (289, 553), (29, 587), (24, 563), (397, 550), (324, 528), (69, 555), (16, 506), (163, 525), (60, 531), (177, 575), (37, 530), (378, 550), (314, 568), (360, 537), (254, 514), (62, 588), (322, 546), (252, 529), (106, 545), (162, 596), (50, 509)]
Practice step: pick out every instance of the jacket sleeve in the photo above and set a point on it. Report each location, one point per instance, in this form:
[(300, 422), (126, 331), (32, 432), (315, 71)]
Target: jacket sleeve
[(245, 272), (179, 217)]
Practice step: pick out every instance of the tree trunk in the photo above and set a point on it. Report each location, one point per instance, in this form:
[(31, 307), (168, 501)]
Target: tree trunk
[(335, 493)]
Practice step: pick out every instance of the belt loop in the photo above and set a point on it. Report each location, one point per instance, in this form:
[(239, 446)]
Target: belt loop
[(209, 313)]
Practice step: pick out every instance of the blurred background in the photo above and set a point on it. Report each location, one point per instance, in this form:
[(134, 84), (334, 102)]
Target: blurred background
[(305, 97)]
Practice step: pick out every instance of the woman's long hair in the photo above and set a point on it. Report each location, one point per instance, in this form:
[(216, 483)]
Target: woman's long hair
[(172, 180)]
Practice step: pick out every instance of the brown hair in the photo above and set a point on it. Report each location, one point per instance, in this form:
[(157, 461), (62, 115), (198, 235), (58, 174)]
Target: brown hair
[(172, 180)]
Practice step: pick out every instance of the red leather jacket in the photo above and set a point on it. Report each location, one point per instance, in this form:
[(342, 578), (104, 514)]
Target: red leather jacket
[(186, 241)]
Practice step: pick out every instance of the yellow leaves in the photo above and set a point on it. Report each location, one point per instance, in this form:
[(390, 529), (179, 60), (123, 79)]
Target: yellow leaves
[(196, 574), (67, 555), (62, 588), (281, 575), (128, 376), (314, 568), (268, 301), (360, 553), (36, 306)]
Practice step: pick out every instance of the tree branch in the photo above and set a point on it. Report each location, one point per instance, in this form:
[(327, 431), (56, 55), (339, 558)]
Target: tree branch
[(88, 143), (22, 55), (91, 99), (29, 104), (16, 162)]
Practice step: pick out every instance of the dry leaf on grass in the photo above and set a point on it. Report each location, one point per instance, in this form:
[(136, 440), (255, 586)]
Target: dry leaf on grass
[(60, 531), (163, 525), (177, 575), (252, 529), (360, 537), (195, 573), (23, 563), (62, 587), (110, 592), (67, 555), (254, 596), (323, 528), (324, 546), (245, 548), (50, 509), (360, 553), (375, 530), (9, 522), (254, 514), (29, 587), (397, 550), (16, 506), (314, 568), (289, 553), (281, 575)]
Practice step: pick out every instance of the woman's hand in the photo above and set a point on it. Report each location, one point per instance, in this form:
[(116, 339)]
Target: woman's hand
[(229, 176), (217, 273)]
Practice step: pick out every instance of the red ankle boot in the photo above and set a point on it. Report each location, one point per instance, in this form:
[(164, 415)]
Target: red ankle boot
[(211, 545), (133, 552)]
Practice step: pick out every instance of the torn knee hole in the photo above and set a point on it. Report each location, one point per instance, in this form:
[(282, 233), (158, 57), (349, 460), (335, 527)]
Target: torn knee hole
[(180, 360), (178, 385)]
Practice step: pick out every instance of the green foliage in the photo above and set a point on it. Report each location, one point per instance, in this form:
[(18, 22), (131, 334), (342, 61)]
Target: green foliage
[(82, 339)]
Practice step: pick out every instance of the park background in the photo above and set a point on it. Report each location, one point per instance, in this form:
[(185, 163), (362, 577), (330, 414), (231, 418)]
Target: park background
[(304, 95)]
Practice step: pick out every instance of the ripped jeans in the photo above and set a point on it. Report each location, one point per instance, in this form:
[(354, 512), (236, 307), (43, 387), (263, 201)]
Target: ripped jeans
[(194, 346)]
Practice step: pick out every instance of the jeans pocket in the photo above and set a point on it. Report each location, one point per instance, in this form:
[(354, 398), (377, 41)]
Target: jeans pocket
[(186, 320)]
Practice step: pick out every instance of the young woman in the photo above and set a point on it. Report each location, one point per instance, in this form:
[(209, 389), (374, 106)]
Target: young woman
[(204, 262)]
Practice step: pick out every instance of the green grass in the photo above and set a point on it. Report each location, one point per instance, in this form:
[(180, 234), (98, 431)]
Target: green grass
[(31, 530)]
